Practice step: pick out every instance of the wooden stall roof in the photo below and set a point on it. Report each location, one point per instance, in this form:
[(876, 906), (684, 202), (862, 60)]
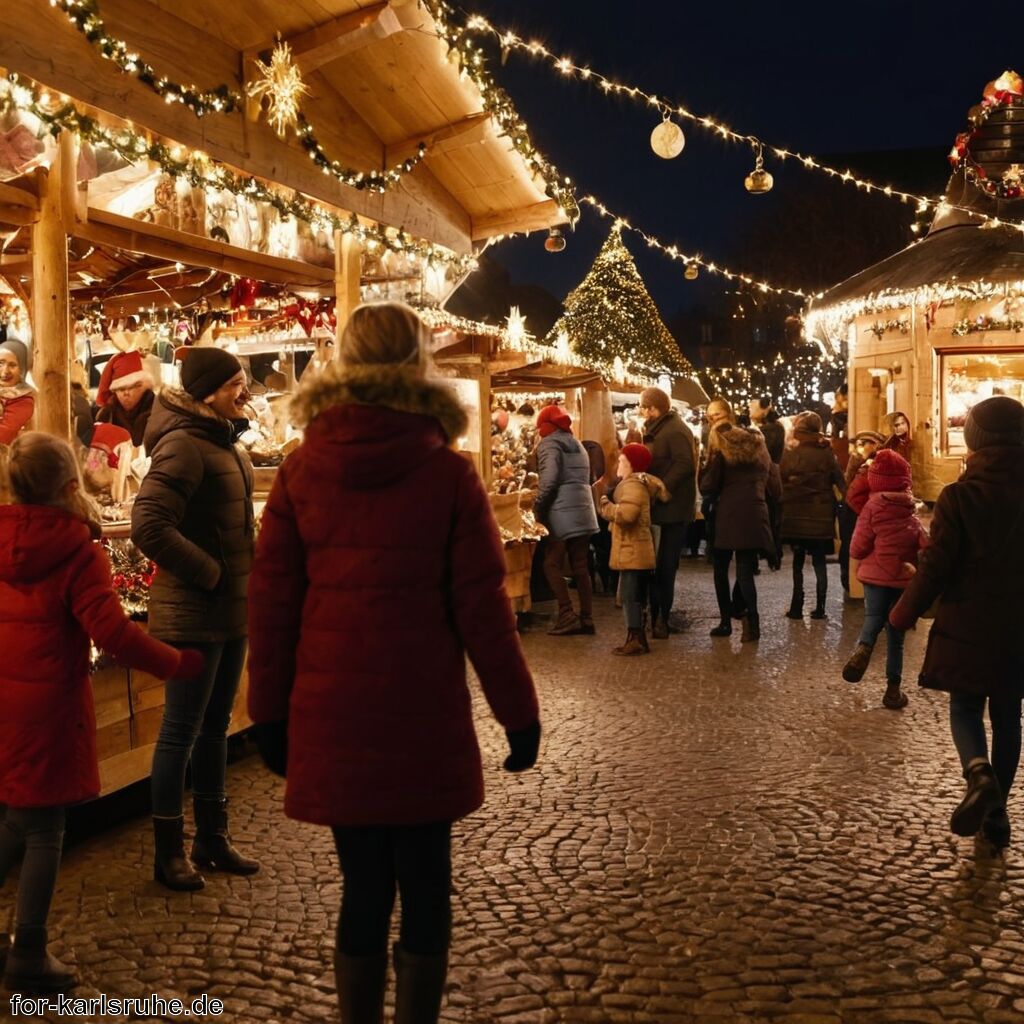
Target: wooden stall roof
[(380, 83)]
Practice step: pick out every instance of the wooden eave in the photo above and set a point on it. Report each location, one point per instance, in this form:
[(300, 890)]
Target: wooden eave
[(379, 84)]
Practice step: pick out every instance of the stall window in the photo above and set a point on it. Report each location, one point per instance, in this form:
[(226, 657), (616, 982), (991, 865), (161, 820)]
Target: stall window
[(969, 378)]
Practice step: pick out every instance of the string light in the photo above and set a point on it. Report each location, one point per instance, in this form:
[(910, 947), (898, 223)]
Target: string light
[(789, 382), (692, 260)]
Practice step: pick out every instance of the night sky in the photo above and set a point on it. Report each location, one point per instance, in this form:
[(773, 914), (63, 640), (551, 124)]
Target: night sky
[(867, 76)]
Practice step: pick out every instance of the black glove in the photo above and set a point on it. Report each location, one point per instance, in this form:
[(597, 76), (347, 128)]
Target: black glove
[(524, 744), (271, 739)]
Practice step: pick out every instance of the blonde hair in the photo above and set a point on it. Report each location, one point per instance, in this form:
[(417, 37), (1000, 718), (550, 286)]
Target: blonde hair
[(36, 469), (385, 334)]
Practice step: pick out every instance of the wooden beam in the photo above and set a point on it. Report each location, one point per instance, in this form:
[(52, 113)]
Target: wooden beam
[(348, 263), (19, 216), (11, 195), (446, 139), (343, 35), (527, 218), (105, 228)]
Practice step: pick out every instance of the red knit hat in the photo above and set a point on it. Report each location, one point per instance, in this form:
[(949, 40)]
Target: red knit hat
[(639, 457), (106, 437), (121, 370), (552, 418), (889, 471)]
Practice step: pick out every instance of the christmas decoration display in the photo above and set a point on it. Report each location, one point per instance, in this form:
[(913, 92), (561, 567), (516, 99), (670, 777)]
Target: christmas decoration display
[(790, 383), (987, 323), (667, 139), (880, 328), (200, 171), (280, 83), (132, 576), (610, 315)]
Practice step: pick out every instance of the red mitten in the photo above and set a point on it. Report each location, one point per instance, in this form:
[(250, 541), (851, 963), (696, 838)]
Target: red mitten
[(900, 617), (192, 664)]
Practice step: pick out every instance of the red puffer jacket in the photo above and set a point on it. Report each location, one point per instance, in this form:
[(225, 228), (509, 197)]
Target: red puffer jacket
[(55, 593), (378, 567), (887, 538)]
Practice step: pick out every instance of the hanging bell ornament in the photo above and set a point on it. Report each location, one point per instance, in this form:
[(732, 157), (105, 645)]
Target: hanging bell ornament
[(758, 181), (667, 139), (691, 271), (555, 242)]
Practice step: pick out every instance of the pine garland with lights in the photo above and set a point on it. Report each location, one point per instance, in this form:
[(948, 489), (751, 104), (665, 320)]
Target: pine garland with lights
[(610, 316)]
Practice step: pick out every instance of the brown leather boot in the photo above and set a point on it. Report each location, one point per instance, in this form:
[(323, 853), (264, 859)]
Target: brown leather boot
[(567, 624), (633, 646), (419, 986), (361, 981), (170, 865), (212, 846)]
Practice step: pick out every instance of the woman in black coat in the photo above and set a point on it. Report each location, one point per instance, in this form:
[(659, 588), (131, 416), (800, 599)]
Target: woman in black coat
[(739, 477), (974, 566)]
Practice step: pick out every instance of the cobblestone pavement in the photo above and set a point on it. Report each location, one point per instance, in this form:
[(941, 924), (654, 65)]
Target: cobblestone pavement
[(715, 832)]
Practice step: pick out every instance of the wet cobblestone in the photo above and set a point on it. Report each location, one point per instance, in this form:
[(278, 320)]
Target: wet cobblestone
[(715, 833)]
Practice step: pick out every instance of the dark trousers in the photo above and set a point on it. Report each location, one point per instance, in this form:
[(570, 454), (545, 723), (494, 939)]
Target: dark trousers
[(602, 545), (197, 714), (746, 563), (663, 583), (36, 836), (816, 549), (375, 860), (577, 549), (847, 524), (967, 722)]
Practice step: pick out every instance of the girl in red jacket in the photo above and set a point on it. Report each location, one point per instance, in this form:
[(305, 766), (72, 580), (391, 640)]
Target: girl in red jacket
[(378, 569), (887, 540), (55, 593)]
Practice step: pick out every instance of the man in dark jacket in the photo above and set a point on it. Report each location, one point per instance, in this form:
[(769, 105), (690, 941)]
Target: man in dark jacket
[(194, 518), (674, 462)]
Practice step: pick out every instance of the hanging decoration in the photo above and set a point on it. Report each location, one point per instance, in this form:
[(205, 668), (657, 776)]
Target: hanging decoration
[(691, 273), (758, 181), (667, 139), (555, 242), (281, 84)]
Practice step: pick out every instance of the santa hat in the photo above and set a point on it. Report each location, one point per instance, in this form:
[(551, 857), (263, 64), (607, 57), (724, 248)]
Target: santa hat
[(639, 457), (889, 472), (106, 438), (552, 418), (121, 371)]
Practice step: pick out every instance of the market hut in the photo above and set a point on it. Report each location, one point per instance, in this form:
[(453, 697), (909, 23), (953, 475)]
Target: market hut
[(936, 328)]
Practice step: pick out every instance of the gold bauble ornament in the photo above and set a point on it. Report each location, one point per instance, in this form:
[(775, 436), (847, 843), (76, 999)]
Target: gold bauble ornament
[(667, 140), (555, 242), (691, 272), (758, 181)]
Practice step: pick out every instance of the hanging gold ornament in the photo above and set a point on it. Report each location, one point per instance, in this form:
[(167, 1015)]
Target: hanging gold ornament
[(691, 272), (281, 83), (758, 181), (667, 139), (555, 242)]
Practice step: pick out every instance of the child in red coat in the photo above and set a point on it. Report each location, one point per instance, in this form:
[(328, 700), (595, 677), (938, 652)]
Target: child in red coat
[(56, 593), (886, 542)]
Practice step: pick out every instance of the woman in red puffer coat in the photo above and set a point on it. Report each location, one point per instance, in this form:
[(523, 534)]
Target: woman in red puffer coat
[(55, 593), (378, 568), (886, 541)]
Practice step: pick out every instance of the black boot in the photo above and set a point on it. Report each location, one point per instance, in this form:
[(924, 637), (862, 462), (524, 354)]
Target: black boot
[(361, 981), (796, 605), (212, 846), (983, 797), (819, 607), (170, 866), (31, 969), (854, 669), (724, 628), (751, 628), (420, 985), (996, 828)]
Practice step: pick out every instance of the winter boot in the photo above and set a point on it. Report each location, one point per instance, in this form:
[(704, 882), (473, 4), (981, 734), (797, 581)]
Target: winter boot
[(634, 645), (819, 606), (724, 628), (587, 626), (420, 986), (796, 605), (30, 968), (659, 630), (360, 982), (751, 628), (170, 867), (895, 699), (212, 846), (854, 669), (982, 797), (567, 623), (996, 828)]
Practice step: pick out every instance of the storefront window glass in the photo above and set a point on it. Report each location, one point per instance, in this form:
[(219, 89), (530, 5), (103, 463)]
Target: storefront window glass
[(969, 378)]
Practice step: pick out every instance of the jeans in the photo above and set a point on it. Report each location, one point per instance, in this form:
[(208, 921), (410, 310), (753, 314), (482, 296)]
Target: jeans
[(37, 835), (377, 858), (197, 713), (633, 590), (663, 583), (816, 549), (746, 563), (967, 724), (877, 603), (578, 549)]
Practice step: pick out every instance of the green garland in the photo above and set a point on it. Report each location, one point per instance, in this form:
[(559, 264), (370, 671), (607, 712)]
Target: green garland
[(203, 172)]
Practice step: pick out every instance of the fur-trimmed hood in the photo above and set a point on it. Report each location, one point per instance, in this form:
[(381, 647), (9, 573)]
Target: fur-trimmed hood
[(402, 389), (175, 409), (742, 446)]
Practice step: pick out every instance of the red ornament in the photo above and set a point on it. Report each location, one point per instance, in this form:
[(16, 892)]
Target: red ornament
[(245, 293)]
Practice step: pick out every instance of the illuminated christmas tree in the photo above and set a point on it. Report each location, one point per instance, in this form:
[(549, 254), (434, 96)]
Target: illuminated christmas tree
[(610, 315)]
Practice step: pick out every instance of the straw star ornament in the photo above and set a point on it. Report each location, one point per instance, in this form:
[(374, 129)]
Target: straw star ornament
[(281, 83)]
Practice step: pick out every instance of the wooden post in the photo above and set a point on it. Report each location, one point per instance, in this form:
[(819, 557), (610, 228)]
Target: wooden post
[(348, 265), (51, 322)]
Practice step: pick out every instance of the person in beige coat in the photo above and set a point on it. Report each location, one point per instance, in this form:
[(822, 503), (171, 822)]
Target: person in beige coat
[(629, 512)]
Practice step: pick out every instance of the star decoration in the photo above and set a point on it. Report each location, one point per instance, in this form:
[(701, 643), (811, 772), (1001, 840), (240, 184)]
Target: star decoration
[(281, 82)]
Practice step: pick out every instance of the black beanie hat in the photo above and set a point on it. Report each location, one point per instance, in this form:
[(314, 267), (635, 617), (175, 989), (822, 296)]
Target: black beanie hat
[(996, 421), (206, 369)]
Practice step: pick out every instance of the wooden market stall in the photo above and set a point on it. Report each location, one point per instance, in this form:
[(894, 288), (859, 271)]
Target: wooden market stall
[(131, 188)]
